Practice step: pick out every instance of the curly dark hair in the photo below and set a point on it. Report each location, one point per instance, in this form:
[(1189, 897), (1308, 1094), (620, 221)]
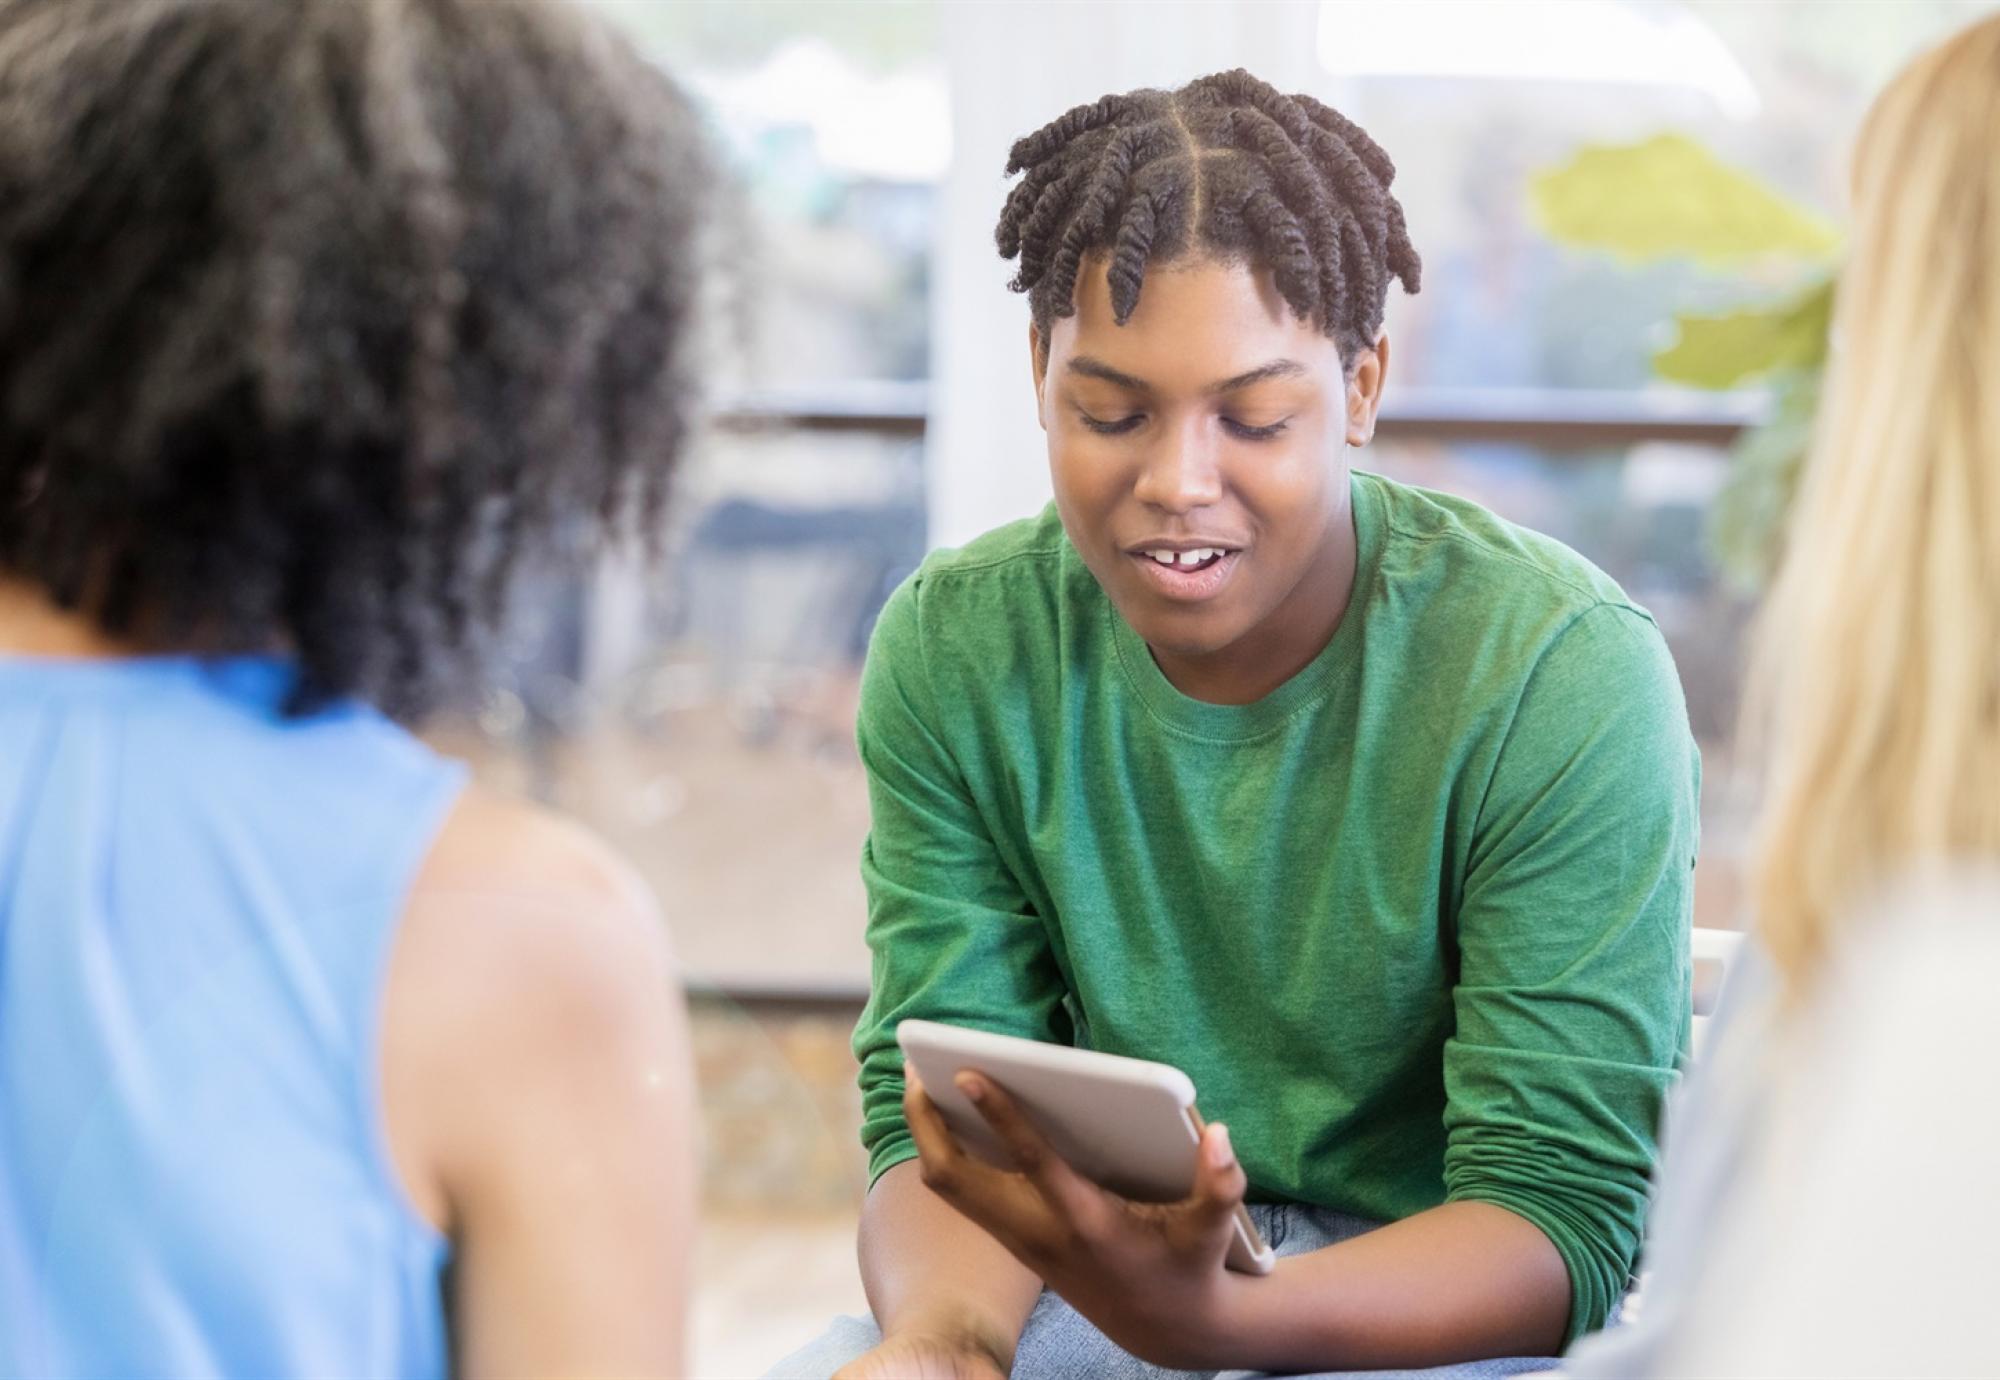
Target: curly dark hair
[(1228, 164), (320, 320)]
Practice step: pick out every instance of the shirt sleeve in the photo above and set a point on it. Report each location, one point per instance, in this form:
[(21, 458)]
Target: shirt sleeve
[(952, 935), (1573, 1002), (1712, 1122)]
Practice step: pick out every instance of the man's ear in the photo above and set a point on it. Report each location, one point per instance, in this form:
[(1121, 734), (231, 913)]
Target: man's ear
[(1364, 391), (1038, 364)]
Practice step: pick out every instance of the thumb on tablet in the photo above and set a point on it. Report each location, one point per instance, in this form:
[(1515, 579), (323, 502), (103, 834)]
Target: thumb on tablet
[(1219, 1181)]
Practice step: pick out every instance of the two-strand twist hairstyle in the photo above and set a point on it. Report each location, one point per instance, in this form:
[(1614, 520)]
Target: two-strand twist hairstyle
[(1228, 165)]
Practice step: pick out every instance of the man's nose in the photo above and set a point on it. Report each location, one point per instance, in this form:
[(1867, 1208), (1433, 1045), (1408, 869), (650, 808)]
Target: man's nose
[(1182, 470)]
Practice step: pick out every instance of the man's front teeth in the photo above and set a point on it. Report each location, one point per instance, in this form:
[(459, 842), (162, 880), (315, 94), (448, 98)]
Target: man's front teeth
[(1185, 558)]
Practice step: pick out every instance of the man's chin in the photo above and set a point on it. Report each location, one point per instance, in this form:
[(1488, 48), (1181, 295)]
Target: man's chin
[(1185, 635)]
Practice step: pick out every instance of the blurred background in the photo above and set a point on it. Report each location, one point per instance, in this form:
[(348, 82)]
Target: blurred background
[(1577, 174)]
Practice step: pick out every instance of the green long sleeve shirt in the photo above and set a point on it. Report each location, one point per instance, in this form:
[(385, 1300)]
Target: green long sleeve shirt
[(1416, 923)]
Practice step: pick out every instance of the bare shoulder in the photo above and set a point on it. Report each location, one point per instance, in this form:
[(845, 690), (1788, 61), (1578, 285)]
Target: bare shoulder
[(514, 893), (532, 964), (494, 844)]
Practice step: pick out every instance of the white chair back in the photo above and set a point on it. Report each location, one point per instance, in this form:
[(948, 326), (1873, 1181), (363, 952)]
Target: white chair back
[(1714, 951)]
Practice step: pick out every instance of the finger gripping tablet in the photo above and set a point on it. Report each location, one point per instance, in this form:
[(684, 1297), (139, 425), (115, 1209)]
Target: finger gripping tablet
[(1127, 1124)]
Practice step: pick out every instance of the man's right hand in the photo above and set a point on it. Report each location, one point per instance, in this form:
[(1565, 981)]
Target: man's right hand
[(919, 1356)]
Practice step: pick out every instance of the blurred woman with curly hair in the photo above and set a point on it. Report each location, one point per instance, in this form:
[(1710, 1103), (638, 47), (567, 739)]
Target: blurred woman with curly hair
[(320, 325)]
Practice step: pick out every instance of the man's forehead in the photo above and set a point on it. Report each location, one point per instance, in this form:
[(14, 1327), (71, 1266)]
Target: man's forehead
[(1202, 322), (1205, 282)]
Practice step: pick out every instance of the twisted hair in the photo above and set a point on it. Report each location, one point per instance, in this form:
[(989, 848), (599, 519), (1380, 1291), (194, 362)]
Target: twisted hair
[(320, 321), (1227, 164)]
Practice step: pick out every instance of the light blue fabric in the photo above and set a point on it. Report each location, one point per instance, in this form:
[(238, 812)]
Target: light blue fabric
[(1060, 1344), (196, 903)]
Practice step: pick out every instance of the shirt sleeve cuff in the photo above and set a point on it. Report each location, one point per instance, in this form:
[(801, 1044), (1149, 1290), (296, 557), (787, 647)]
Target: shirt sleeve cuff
[(1591, 1292), (890, 1153)]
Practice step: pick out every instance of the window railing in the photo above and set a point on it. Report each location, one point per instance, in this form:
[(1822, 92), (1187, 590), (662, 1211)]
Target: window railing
[(1554, 419)]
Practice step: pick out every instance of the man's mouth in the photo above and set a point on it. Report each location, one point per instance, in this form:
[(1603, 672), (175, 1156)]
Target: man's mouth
[(1186, 572), (1200, 558)]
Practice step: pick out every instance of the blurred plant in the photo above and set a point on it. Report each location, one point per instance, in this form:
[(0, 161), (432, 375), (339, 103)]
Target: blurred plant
[(1669, 198)]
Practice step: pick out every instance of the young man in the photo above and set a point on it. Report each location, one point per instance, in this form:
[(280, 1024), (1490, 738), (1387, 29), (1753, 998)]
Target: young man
[(1369, 810)]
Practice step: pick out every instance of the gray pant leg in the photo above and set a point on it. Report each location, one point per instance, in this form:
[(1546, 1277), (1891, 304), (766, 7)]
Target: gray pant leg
[(1056, 1342), (819, 1358), (1059, 1344), (1468, 1370)]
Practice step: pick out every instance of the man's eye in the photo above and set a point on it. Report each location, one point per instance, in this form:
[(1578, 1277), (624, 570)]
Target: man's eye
[(1245, 432), (1111, 428)]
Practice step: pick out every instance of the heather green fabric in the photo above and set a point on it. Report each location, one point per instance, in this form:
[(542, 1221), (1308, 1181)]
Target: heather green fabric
[(1416, 923)]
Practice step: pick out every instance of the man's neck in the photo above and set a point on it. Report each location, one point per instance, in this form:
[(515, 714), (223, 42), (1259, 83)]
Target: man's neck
[(31, 624), (1287, 642)]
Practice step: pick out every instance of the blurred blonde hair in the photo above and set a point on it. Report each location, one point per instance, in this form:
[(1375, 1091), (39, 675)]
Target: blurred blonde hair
[(1876, 676)]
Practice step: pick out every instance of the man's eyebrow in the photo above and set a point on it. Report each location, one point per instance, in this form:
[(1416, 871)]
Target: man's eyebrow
[(1094, 368), (1091, 367), (1276, 369)]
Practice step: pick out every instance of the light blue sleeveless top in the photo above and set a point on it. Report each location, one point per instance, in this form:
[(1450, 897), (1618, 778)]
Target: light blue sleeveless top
[(197, 899)]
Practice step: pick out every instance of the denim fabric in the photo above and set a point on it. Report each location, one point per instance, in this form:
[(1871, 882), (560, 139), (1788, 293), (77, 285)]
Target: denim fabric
[(1058, 1344)]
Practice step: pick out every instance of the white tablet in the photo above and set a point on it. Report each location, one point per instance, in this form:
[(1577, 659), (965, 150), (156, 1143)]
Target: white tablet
[(1127, 1124)]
